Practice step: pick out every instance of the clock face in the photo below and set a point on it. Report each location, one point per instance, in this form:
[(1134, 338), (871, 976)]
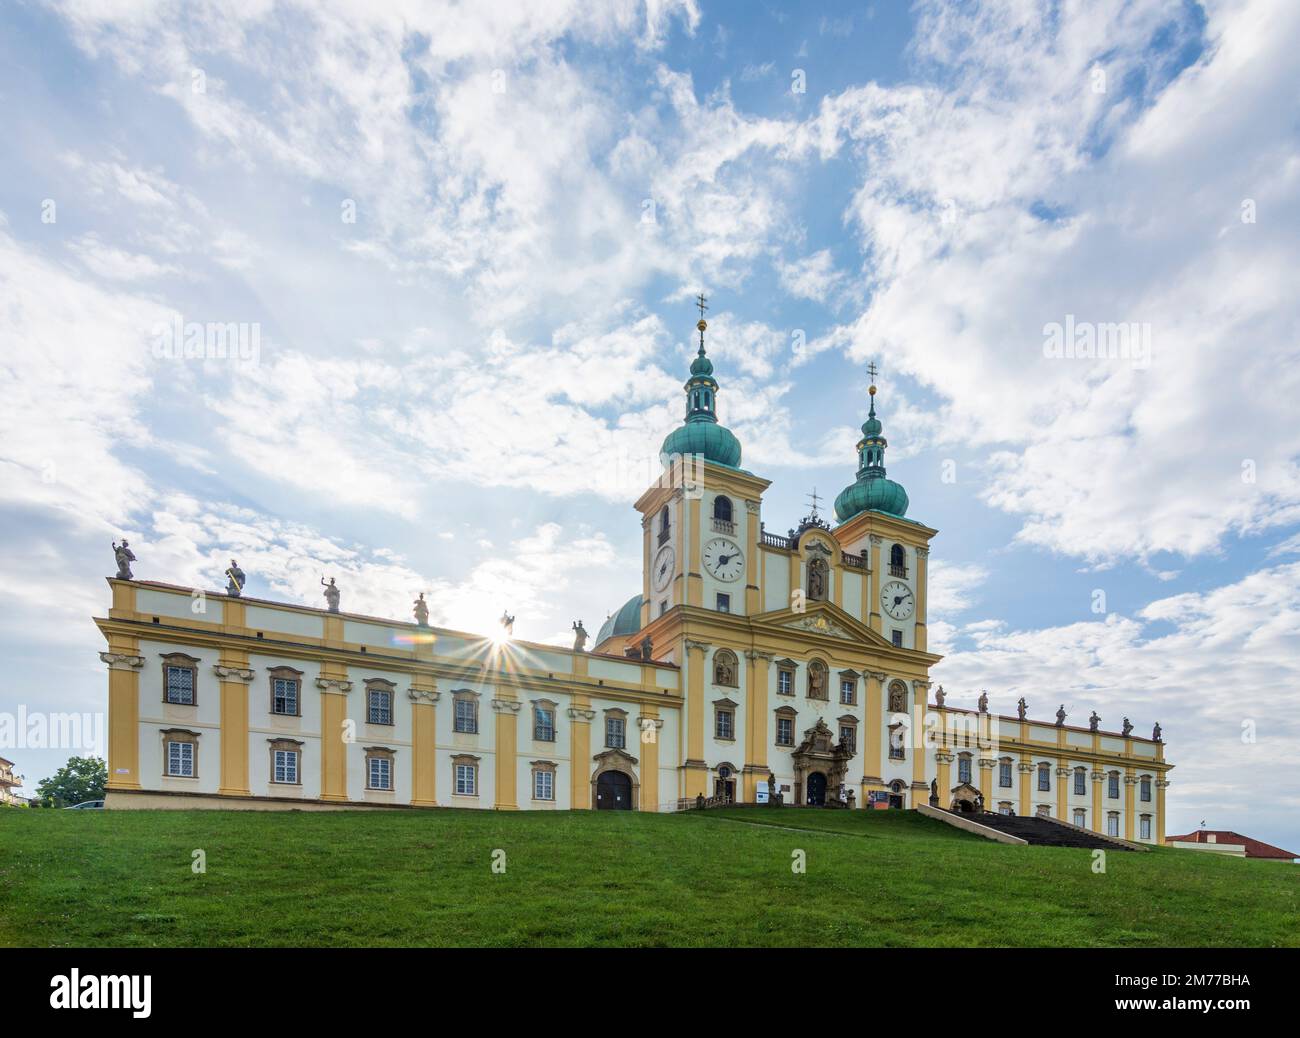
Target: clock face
[(663, 567), (723, 559), (896, 597)]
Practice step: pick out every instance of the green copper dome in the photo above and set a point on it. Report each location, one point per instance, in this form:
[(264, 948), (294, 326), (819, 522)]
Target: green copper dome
[(701, 434), (626, 621), (873, 491)]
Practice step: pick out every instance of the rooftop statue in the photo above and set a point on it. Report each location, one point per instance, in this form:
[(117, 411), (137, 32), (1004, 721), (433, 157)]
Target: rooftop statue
[(235, 579), (331, 594), (125, 556), (579, 637), (421, 610)]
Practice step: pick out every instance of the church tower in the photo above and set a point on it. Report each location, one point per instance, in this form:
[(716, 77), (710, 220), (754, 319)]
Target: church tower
[(872, 514)]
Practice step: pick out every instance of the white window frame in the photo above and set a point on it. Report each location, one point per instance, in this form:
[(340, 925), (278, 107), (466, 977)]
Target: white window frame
[(287, 696), (189, 677), (615, 733), (543, 784), (184, 758), (466, 780), (285, 762), (385, 699), (471, 708)]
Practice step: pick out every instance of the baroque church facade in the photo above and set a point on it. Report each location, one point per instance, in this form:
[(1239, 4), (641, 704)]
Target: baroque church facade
[(751, 666)]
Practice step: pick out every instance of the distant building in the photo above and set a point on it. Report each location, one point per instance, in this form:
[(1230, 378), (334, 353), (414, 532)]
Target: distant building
[(8, 783), (1225, 841)]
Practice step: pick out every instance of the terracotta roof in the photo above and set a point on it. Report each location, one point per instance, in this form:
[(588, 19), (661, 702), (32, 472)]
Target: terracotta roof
[(1254, 848)]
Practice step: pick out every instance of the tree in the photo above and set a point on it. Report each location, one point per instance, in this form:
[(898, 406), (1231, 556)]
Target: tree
[(81, 779)]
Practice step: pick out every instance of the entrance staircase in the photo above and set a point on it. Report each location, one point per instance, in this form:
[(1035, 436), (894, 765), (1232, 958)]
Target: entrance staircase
[(1042, 832)]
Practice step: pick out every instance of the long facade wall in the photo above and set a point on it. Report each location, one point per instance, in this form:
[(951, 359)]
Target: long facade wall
[(236, 648)]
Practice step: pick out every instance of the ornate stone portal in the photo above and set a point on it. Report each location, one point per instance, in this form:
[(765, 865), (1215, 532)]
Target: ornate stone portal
[(822, 760)]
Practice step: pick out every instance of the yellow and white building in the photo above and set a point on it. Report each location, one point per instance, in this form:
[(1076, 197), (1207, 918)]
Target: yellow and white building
[(747, 655)]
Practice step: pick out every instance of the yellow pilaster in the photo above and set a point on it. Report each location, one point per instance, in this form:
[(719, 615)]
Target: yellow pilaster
[(1129, 779), (695, 577), (424, 743), (506, 707), (1097, 779), (920, 788), (756, 737), (650, 726), (1026, 769), (943, 776), (580, 717), (922, 559), (334, 688), (235, 678), (753, 603), (872, 733), (874, 603), (987, 764), (1160, 810), (124, 665), (1062, 789), (696, 769)]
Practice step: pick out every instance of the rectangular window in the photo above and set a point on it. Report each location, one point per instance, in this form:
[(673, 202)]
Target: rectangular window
[(785, 731), (663, 607), (615, 732), (543, 724), (1112, 787), (724, 725), (1144, 827), (849, 737), (785, 682), (848, 692), (1145, 790), (543, 785), (1004, 809), (1004, 773), (963, 769), (381, 706), (897, 638), (284, 696), (896, 742), (1080, 782), (379, 773), (1112, 824), (724, 603), (286, 766), (1081, 817), (180, 759), (466, 780), (1044, 778), (180, 686), (467, 716)]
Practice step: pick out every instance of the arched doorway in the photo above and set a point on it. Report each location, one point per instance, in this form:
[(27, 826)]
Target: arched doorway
[(613, 792), (816, 789), (725, 784), (897, 799)]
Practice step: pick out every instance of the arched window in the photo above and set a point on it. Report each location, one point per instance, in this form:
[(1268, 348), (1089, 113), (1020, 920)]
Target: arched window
[(722, 508), (725, 668), (897, 561), (817, 580), (663, 524)]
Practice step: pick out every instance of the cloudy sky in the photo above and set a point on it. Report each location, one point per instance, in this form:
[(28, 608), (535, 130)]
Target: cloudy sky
[(467, 238)]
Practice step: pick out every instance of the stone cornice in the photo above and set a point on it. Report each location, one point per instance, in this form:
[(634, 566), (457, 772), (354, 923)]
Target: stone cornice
[(701, 646), (335, 686), (581, 714), (423, 695), (232, 673), (122, 661), (503, 706)]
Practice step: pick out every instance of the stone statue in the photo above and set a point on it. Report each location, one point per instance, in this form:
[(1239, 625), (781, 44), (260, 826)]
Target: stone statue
[(125, 556), (1155, 733), (1022, 708), (1128, 727), (1093, 721), (580, 637), (1060, 716), (331, 594), (235, 579), (897, 698), (507, 624), (984, 702), (816, 580), (421, 610), (723, 672), (934, 792), (647, 648), (816, 683), (773, 797), (938, 696)]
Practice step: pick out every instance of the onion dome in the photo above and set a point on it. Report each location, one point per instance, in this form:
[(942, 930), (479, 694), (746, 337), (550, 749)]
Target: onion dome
[(701, 434), (626, 621), (873, 491)]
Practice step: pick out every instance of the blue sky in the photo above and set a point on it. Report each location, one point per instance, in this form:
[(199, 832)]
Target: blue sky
[(460, 390)]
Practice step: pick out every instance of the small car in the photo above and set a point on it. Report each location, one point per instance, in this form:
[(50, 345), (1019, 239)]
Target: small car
[(85, 805)]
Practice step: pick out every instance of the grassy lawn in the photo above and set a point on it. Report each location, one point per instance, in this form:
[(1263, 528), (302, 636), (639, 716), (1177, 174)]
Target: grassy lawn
[(718, 878)]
